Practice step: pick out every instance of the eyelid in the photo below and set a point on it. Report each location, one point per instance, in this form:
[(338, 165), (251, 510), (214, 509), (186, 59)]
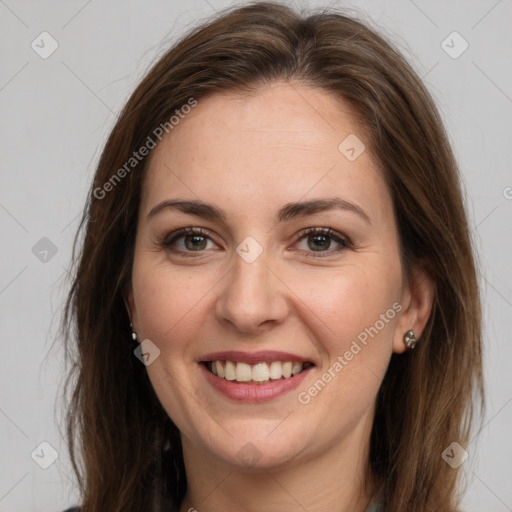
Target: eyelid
[(339, 238), (189, 230), (169, 238), (342, 240)]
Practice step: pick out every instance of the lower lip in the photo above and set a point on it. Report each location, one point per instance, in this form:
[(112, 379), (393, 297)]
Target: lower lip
[(255, 393)]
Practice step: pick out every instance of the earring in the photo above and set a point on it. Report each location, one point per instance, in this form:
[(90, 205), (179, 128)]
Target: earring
[(410, 339), (134, 334)]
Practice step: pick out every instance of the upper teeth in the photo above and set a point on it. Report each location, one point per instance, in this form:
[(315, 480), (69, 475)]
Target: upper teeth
[(259, 372)]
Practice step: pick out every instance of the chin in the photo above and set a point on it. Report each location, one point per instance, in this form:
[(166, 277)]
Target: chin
[(256, 445)]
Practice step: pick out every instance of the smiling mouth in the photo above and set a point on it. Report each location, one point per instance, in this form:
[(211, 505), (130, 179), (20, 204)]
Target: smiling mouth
[(259, 373)]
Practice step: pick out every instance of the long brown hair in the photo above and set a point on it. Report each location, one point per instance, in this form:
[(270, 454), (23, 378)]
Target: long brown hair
[(124, 448)]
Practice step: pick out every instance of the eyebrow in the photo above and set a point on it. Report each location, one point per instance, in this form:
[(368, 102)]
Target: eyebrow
[(287, 212)]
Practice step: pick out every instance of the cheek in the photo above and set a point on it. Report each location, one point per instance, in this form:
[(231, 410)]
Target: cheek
[(352, 303), (170, 304), (356, 312), (339, 305), (168, 300)]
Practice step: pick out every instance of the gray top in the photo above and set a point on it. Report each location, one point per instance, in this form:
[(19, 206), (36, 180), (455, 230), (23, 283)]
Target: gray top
[(375, 507), (377, 504)]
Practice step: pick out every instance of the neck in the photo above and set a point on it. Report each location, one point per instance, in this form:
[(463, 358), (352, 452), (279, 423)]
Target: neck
[(336, 479)]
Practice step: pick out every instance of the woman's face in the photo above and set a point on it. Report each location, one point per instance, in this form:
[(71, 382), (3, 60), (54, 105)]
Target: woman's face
[(250, 175)]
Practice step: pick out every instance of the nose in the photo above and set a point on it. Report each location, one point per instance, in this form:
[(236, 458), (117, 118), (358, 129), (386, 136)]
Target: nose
[(253, 297)]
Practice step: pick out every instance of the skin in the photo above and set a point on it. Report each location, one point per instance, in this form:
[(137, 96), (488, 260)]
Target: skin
[(250, 155)]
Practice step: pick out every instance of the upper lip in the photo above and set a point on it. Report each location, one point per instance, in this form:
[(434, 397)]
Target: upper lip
[(253, 357)]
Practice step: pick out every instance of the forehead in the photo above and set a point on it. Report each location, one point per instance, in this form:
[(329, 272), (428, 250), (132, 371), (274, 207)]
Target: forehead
[(280, 143)]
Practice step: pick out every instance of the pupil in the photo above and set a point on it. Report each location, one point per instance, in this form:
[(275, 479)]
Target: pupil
[(198, 242), (324, 242)]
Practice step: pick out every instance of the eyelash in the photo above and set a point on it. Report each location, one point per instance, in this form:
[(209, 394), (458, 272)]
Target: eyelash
[(343, 241)]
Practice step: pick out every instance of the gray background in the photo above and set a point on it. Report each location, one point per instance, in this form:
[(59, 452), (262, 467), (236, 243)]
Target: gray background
[(55, 116)]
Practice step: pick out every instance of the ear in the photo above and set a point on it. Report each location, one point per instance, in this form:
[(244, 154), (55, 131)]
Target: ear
[(417, 298)]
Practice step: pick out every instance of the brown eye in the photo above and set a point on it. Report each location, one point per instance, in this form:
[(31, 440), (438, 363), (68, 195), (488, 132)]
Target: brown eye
[(320, 240), (187, 240), (194, 242)]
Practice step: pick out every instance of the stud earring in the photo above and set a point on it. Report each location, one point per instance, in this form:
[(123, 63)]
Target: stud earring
[(410, 339), (134, 334)]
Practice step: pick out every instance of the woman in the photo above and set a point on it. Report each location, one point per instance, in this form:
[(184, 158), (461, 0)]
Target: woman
[(275, 303)]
